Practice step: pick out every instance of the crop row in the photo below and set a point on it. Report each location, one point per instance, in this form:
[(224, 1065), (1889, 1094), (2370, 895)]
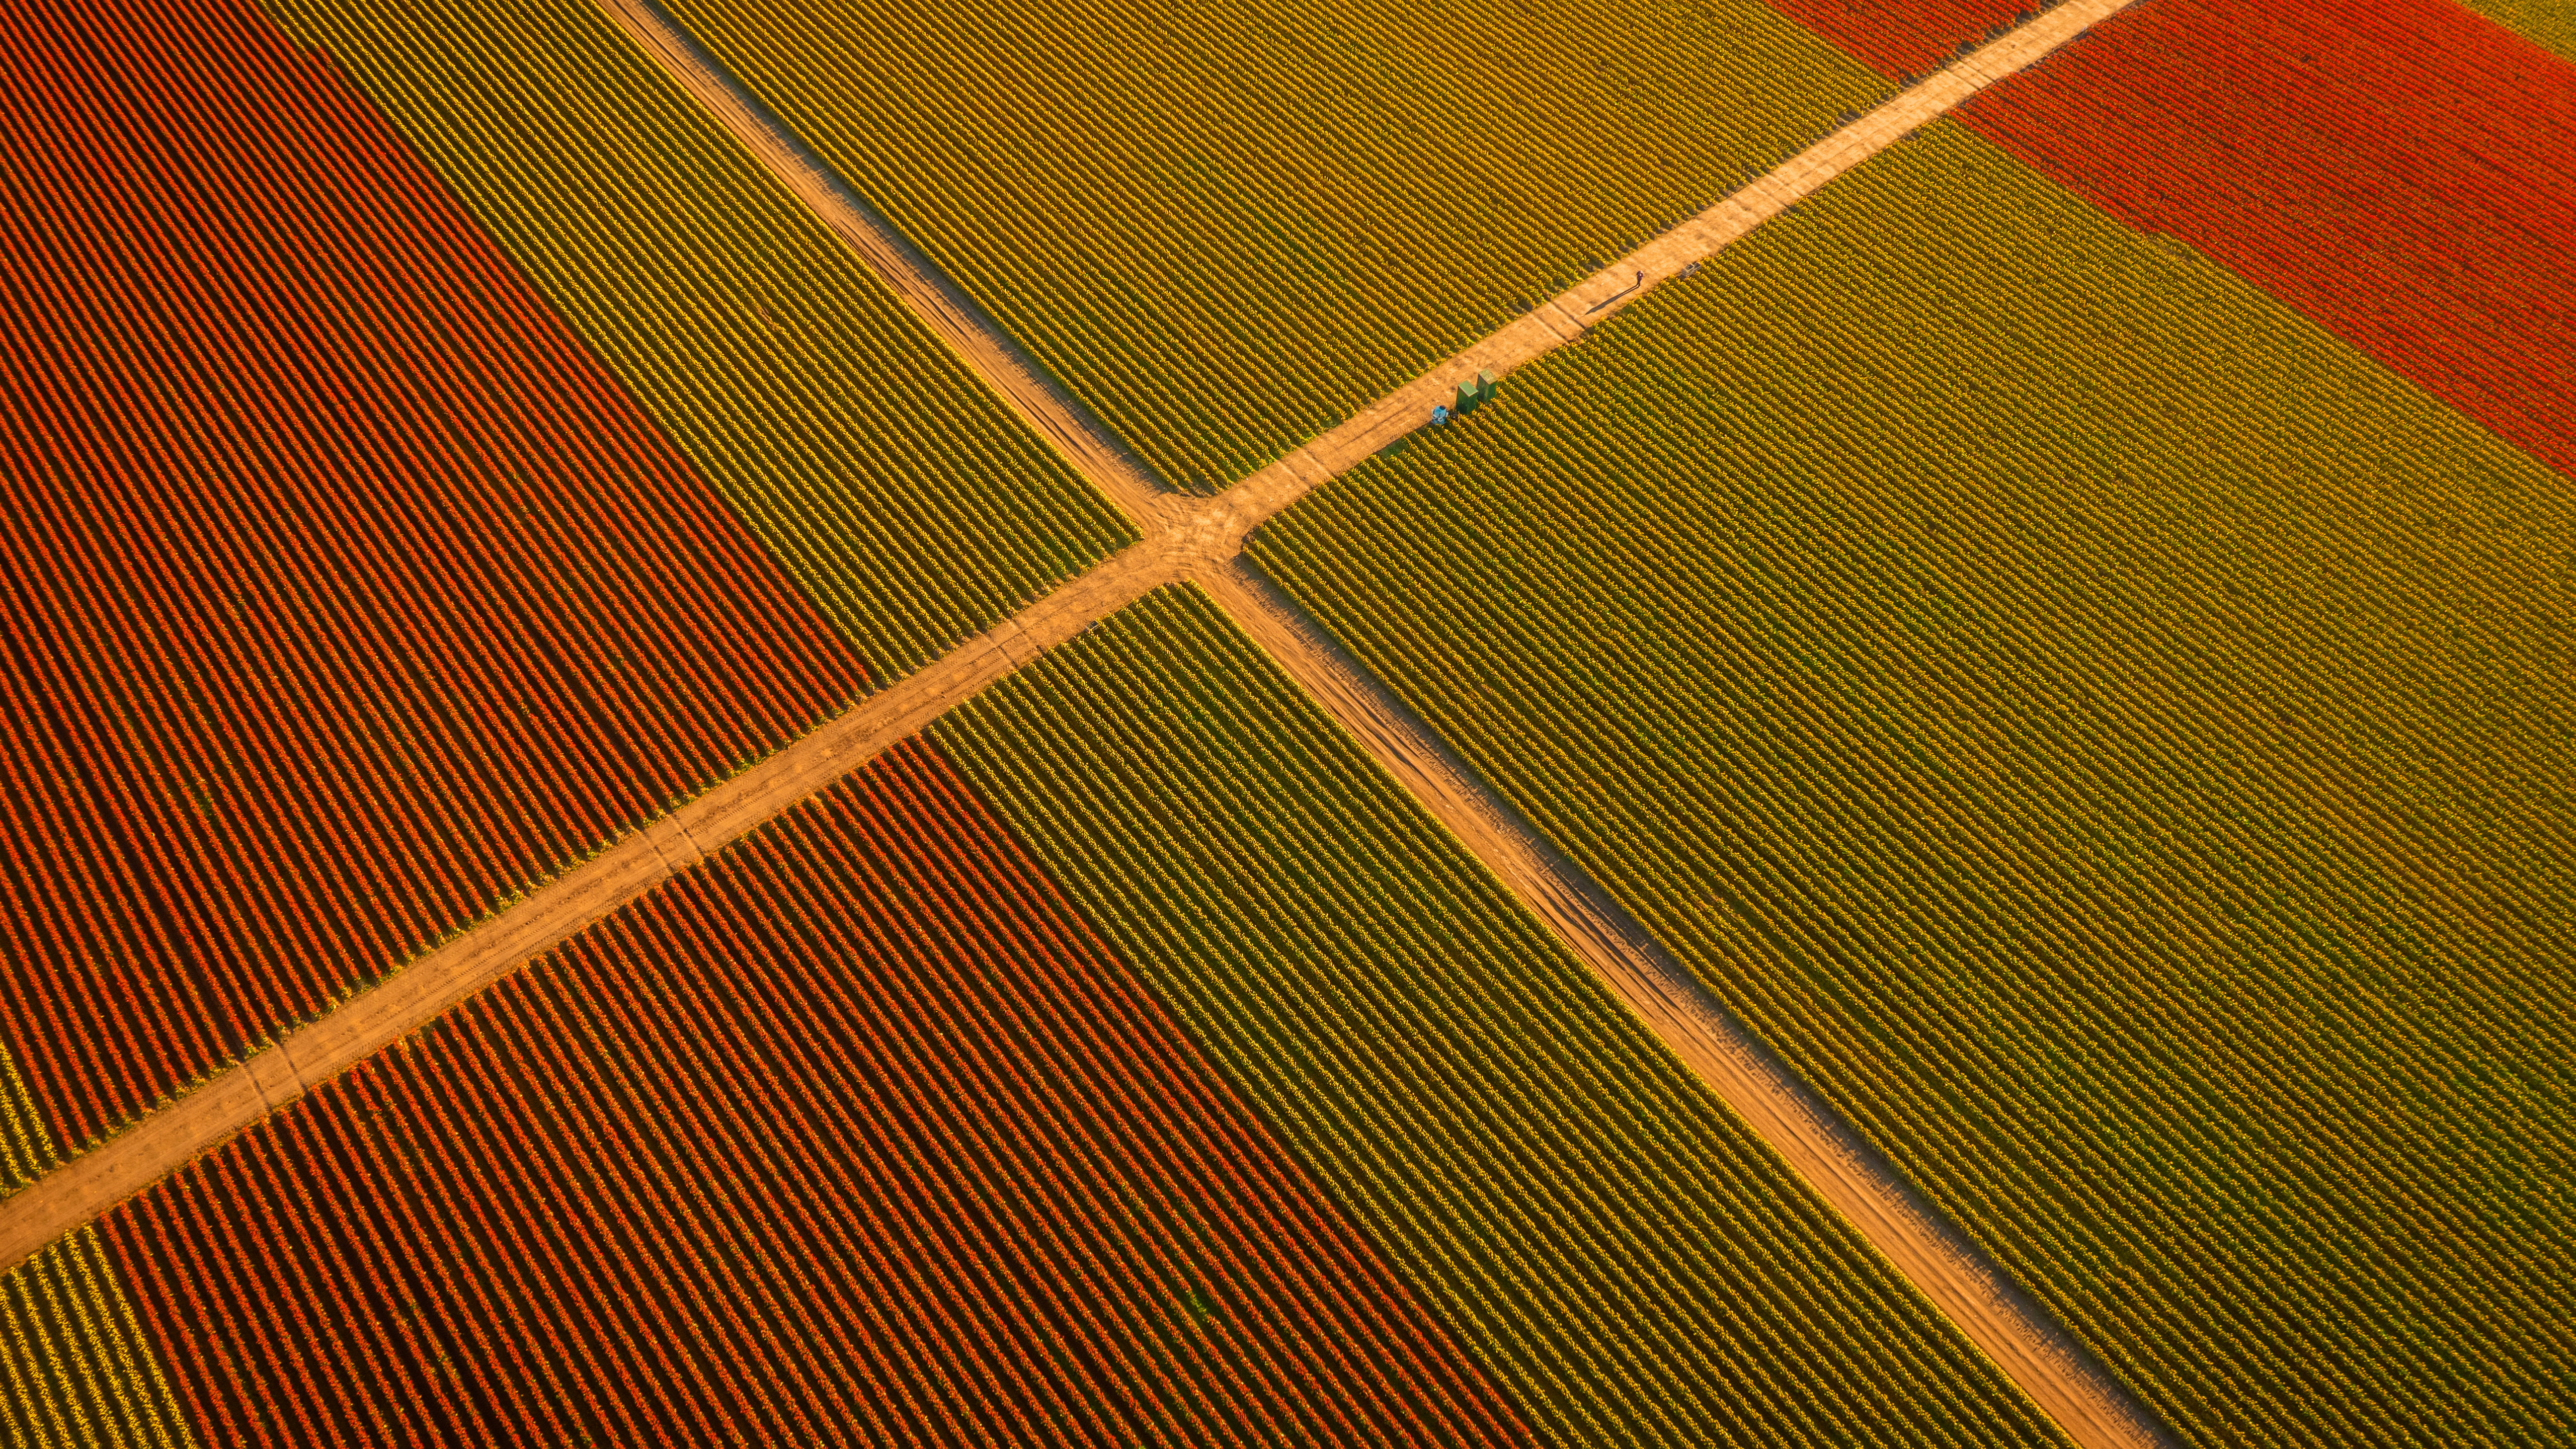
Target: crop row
[(2098, 727), (343, 594), (855, 1134), (1227, 224), (2401, 172), (76, 1370), (1619, 1251), (909, 504)]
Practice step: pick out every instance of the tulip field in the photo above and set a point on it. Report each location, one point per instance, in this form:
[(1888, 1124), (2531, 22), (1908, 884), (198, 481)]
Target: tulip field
[(858, 1135), (345, 593), (1619, 1252), (1226, 224), (911, 507), (602, 844), (1914, 37), (2099, 727), (2395, 170)]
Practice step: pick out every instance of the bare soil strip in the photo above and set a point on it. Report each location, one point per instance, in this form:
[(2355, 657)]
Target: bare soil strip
[(1198, 540), (211, 1112), (1799, 1125), (979, 342)]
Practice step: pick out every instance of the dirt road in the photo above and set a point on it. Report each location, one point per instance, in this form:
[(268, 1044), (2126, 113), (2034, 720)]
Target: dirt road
[(213, 1109), (978, 341), (1200, 540), (1814, 1140)]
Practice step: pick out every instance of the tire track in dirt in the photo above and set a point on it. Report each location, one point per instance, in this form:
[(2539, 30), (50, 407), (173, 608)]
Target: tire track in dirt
[(1200, 541)]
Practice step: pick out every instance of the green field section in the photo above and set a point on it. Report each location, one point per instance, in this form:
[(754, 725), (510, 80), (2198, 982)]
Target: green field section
[(2112, 738), (1612, 1243), (2550, 22), (1226, 224), (904, 499), (76, 1368)]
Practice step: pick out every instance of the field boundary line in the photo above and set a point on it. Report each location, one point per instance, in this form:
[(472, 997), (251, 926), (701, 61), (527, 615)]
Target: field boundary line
[(1201, 541)]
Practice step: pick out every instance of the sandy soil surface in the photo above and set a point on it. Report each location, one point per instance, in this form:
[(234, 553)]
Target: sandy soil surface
[(1198, 540)]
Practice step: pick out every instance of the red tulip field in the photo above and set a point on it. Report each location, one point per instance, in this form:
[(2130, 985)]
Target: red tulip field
[(2396, 170)]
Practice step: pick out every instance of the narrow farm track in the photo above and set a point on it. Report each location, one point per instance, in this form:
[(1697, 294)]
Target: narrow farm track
[(1199, 541), (210, 1112), (977, 340), (1817, 1144)]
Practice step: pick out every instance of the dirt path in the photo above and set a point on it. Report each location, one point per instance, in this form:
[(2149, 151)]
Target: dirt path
[(978, 341), (1619, 285), (1817, 1144), (215, 1108), (1199, 540)]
